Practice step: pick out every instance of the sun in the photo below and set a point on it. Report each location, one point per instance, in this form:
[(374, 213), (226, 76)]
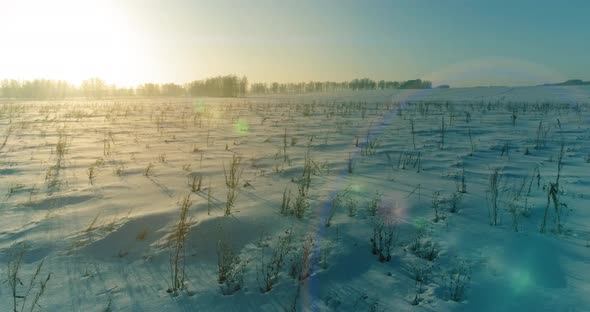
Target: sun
[(70, 40)]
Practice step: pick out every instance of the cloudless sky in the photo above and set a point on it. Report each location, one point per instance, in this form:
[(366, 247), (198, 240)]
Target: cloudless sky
[(460, 42)]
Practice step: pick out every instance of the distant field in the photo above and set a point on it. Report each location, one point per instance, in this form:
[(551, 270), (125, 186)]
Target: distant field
[(469, 199)]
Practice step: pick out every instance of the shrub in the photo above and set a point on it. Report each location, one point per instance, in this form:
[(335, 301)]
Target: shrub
[(15, 281), (268, 272), (421, 273), (374, 203), (305, 260), (422, 245), (91, 174), (230, 269), (351, 206), (232, 181), (148, 171), (177, 256), (383, 238), (456, 281), (300, 206), (305, 180), (436, 206), (553, 192), (454, 201), (195, 180), (285, 204), (493, 191), (340, 200)]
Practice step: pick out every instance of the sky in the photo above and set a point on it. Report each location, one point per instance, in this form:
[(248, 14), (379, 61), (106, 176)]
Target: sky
[(456, 42)]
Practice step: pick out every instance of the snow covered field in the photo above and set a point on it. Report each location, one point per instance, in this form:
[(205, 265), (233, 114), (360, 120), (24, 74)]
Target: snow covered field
[(408, 200)]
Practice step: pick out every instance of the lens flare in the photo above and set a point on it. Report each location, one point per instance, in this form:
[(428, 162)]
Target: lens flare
[(241, 126), (198, 106), (520, 280)]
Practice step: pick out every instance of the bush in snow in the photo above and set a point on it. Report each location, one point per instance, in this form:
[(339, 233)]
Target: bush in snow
[(456, 281), (384, 229), (230, 269), (267, 272)]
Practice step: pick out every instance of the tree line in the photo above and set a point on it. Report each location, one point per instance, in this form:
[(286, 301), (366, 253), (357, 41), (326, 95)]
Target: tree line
[(220, 86), (329, 86)]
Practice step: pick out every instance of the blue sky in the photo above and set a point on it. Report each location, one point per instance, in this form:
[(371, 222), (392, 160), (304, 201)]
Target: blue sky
[(464, 43)]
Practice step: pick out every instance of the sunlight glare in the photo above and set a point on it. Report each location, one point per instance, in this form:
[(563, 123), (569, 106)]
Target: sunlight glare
[(69, 40)]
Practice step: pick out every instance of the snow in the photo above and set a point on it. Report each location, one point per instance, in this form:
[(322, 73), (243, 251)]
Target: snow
[(107, 244)]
